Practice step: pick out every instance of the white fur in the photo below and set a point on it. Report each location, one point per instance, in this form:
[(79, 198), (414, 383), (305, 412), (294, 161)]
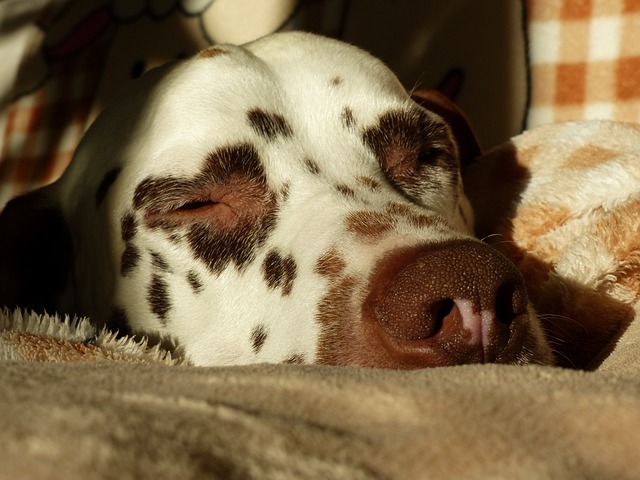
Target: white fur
[(168, 124)]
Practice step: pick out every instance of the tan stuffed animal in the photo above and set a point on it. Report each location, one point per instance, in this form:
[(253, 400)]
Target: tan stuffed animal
[(563, 203)]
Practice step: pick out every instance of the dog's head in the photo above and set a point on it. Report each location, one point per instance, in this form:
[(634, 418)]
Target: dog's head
[(284, 201)]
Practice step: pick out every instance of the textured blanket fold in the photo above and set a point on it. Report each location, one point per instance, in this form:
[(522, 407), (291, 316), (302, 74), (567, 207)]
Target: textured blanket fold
[(128, 418), (115, 420)]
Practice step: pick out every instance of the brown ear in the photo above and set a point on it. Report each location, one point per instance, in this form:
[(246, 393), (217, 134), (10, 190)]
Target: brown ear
[(35, 253), (437, 102)]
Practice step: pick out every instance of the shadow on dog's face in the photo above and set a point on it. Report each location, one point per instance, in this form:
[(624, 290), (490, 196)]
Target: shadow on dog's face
[(285, 201)]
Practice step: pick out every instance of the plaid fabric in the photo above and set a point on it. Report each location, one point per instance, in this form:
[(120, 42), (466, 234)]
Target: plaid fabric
[(42, 129), (584, 60)]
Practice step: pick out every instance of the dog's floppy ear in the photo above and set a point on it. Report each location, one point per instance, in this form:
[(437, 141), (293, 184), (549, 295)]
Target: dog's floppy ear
[(437, 102), (35, 253)]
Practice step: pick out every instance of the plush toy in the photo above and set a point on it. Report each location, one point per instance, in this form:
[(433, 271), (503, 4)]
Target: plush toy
[(562, 201)]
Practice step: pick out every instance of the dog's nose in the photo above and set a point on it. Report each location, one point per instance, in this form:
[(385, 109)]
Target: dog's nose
[(459, 297)]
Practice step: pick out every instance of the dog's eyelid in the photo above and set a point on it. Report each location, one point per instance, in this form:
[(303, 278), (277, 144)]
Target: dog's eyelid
[(429, 156), (196, 204)]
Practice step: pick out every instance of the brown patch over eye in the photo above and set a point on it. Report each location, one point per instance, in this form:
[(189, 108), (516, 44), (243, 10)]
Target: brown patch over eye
[(109, 178), (415, 151), (369, 225), (227, 209), (279, 271), (268, 125)]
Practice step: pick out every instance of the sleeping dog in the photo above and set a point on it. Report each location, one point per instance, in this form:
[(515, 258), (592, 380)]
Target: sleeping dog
[(282, 201)]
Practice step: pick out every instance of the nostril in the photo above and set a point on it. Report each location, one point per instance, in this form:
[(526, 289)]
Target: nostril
[(511, 301), (439, 311), (456, 294)]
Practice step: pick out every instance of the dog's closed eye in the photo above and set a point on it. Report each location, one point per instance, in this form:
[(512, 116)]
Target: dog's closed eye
[(231, 189), (431, 156), (196, 205), (413, 150)]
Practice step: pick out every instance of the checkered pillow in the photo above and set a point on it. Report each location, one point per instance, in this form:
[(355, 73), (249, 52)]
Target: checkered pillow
[(585, 60), (42, 129)]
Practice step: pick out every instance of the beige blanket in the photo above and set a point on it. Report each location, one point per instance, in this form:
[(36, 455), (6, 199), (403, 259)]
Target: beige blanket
[(116, 409)]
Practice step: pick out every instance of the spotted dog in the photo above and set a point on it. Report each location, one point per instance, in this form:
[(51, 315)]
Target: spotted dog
[(282, 201)]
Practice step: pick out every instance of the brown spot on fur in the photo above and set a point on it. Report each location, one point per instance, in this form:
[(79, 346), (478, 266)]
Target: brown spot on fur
[(159, 262), (312, 166), (258, 337), (194, 281), (294, 359), (331, 264), (370, 183), (590, 156), (346, 190), (279, 272), (395, 208), (129, 260), (337, 80), (158, 298), (347, 118), (333, 311), (268, 125), (108, 180), (128, 227), (423, 221), (369, 225), (211, 52)]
